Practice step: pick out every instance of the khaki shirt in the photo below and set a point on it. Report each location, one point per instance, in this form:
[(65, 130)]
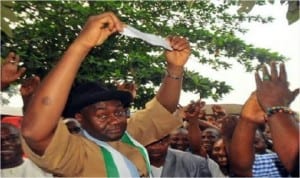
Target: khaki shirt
[(75, 156)]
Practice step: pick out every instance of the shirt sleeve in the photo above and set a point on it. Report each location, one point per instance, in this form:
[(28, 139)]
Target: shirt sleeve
[(63, 149), (152, 123)]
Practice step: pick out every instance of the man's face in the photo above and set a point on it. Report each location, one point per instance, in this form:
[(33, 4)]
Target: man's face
[(11, 150), (219, 153), (179, 141), (158, 150), (105, 120), (260, 145), (208, 139)]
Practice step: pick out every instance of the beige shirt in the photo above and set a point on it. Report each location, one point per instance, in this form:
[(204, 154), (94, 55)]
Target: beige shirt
[(75, 156), (26, 169)]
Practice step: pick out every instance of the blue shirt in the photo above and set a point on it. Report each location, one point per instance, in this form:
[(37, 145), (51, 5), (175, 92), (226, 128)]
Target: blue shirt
[(268, 165)]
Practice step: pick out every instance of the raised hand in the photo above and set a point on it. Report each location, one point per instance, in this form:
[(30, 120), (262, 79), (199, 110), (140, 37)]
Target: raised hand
[(128, 86), (252, 111), (28, 88), (218, 111), (10, 71), (98, 28), (273, 89), (193, 110), (180, 53)]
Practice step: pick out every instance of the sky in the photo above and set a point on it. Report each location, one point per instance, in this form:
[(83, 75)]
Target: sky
[(277, 36)]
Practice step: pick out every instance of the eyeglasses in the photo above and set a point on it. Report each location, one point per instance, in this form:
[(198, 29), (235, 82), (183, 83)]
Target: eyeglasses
[(118, 114)]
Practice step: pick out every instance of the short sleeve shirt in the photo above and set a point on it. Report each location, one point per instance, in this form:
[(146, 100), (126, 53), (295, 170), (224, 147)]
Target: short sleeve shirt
[(268, 165)]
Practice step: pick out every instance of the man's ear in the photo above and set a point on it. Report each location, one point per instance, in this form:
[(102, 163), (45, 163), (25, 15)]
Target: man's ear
[(79, 118)]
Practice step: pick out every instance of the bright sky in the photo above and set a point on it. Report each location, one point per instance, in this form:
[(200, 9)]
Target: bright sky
[(277, 36)]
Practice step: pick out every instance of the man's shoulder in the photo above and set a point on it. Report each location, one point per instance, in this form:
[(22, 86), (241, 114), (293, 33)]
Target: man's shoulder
[(266, 157), (186, 156)]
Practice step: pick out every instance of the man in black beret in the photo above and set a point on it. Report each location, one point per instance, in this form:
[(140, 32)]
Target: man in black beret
[(111, 145)]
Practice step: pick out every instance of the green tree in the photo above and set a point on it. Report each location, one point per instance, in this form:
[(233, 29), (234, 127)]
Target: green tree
[(292, 14), (47, 28)]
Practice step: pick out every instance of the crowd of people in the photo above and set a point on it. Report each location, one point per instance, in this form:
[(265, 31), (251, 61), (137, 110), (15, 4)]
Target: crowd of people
[(86, 131)]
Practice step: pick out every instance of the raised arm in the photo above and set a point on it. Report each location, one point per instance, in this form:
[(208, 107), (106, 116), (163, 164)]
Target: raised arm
[(241, 147), (194, 133), (274, 96), (169, 92), (269, 103), (45, 108)]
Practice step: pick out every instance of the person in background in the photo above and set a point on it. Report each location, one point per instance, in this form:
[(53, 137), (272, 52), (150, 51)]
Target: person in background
[(179, 139), (168, 162), (13, 164), (10, 70), (229, 123), (260, 145), (209, 136), (192, 114), (268, 137), (269, 103), (112, 145), (219, 154)]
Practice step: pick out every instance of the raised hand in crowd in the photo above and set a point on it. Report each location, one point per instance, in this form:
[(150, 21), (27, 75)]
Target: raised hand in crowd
[(192, 113), (270, 103), (10, 70), (128, 86), (218, 111), (28, 87), (272, 89), (274, 96)]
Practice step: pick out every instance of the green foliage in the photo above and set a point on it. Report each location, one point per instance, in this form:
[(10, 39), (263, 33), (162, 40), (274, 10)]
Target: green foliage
[(292, 14), (46, 29), (7, 16)]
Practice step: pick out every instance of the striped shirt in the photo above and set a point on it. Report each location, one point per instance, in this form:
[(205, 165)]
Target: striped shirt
[(268, 165)]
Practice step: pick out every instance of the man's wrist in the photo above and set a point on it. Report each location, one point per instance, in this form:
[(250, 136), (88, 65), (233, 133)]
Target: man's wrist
[(281, 115), (78, 44), (174, 72), (248, 123), (173, 76)]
